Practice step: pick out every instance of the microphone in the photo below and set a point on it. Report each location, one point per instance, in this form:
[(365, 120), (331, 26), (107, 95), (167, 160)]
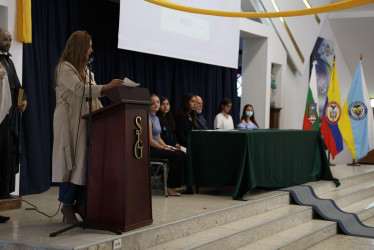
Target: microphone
[(89, 62)]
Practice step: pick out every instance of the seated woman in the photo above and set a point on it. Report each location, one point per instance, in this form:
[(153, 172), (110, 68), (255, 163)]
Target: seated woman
[(185, 119), (158, 149), (248, 120), (168, 129), (223, 120)]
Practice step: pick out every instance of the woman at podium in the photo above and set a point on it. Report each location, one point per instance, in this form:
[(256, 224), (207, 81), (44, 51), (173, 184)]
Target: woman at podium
[(71, 83), (159, 149)]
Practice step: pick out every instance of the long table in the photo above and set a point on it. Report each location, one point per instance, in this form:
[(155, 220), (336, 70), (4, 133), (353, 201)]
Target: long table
[(247, 159)]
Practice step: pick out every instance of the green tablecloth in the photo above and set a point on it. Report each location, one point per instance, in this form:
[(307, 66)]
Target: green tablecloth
[(256, 158)]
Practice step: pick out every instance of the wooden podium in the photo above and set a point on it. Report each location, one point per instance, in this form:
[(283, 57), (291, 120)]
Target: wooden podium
[(368, 159), (274, 117), (118, 187)]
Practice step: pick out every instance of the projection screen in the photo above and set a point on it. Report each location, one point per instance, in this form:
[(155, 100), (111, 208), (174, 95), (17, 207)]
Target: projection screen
[(148, 28)]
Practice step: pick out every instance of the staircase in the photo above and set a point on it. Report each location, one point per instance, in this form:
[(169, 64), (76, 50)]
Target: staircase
[(270, 221)]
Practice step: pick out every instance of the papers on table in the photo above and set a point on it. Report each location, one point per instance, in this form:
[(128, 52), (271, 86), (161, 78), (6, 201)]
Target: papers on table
[(182, 148)]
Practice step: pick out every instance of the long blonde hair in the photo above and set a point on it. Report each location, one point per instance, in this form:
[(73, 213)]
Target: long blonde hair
[(75, 53)]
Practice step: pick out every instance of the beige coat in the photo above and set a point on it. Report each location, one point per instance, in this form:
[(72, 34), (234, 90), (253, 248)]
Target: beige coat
[(69, 154)]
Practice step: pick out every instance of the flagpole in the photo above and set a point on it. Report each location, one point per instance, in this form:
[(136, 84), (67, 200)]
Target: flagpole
[(354, 163)]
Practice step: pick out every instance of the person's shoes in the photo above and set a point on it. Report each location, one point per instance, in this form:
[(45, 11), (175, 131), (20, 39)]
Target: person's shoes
[(4, 219), (68, 214), (189, 190), (180, 189), (80, 210), (173, 192)]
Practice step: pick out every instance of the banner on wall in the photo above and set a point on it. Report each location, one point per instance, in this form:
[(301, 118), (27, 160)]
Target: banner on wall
[(323, 53)]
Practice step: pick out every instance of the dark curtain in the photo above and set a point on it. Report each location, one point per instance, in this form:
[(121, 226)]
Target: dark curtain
[(53, 22)]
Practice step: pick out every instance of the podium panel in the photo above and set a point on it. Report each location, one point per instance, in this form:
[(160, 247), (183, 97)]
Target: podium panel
[(118, 189)]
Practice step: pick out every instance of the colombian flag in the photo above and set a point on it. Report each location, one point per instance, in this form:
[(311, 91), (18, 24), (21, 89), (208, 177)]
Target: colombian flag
[(357, 117), (311, 117), (331, 122)]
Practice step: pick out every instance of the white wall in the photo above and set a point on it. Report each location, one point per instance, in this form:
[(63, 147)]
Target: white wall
[(297, 33), (16, 49), (294, 97), (261, 48)]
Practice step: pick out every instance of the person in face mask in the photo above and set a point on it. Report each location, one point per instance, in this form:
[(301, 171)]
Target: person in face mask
[(248, 120)]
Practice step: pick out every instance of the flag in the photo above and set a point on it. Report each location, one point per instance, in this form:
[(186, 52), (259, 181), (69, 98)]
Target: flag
[(24, 21), (311, 116), (357, 117), (330, 125)]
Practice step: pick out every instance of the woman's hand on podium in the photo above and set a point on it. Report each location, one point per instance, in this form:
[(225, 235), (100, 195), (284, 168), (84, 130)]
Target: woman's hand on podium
[(113, 83)]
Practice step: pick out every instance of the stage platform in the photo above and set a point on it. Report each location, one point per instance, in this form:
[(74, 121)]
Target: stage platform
[(28, 229)]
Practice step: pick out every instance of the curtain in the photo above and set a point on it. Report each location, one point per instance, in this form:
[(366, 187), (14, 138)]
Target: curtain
[(52, 23)]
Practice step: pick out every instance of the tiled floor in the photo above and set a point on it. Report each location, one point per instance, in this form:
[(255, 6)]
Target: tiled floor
[(33, 228)]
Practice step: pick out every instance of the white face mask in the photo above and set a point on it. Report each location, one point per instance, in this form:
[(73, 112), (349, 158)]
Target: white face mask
[(249, 113)]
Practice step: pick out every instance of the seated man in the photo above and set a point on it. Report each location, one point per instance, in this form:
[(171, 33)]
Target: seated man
[(199, 108)]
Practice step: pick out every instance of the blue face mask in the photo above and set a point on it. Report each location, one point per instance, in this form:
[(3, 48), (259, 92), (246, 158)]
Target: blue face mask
[(249, 113)]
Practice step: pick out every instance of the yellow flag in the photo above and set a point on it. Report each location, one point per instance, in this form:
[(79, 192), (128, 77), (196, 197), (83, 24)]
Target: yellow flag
[(24, 21)]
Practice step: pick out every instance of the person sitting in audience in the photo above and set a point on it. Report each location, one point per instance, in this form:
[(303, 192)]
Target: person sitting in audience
[(248, 120), (185, 119), (168, 129), (223, 120), (158, 149), (199, 109)]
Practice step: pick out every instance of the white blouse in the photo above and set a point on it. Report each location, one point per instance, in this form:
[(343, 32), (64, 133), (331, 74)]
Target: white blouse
[(221, 122)]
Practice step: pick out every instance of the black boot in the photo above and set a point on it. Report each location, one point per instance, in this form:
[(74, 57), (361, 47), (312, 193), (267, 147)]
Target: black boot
[(80, 210), (68, 214)]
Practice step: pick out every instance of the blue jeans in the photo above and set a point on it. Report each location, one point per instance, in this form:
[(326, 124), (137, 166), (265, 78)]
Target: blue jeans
[(70, 193)]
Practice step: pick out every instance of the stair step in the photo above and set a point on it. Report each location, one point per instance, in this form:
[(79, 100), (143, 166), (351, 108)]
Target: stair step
[(153, 236), (364, 208), (266, 220), (298, 237), (322, 187), (244, 231), (344, 242), (369, 222), (352, 194)]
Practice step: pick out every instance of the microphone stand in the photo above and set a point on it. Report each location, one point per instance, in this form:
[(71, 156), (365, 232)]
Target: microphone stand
[(84, 224)]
